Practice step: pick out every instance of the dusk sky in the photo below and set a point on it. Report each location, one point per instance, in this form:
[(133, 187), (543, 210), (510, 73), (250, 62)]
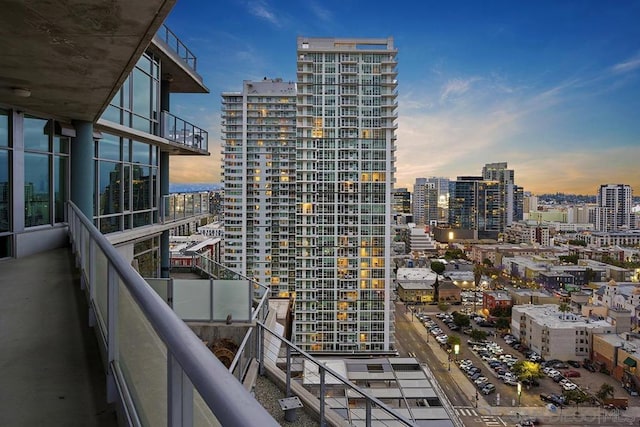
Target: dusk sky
[(551, 87)]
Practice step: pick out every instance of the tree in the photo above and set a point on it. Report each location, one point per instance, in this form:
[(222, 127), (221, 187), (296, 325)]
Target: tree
[(436, 290), (453, 340), (501, 311), (462, 320), (478, 335), (487, 262), (571, 259), (526, 370), (503, 323), (437, 267), (575, 396), (606, 390), (443, 306), (564, 308)]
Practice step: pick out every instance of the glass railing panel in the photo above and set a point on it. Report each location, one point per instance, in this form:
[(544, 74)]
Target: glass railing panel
[(85, 241), (101, 285), (192, 299), (231, 297), (142, 358), (161, 286), (202, 415)]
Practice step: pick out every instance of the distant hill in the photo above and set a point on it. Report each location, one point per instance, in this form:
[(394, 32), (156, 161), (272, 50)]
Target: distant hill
[(193, 187)]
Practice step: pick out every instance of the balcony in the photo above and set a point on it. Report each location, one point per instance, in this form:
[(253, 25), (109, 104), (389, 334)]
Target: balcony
[(182, 132), (178, 62), (176, 207)]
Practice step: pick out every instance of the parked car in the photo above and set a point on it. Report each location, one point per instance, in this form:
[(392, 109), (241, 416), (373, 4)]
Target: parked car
[(488, 389), (573, 363), (571, 374), (552, 398)]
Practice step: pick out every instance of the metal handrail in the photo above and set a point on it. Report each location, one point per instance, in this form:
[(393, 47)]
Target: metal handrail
[(181, 131), (171, 40), (227, 399)]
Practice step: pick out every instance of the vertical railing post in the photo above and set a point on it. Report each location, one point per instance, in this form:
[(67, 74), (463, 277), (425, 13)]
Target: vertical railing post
[(323, 391), (113, 283), (179, 395), (368, 412), (261, 345), (288, 383)]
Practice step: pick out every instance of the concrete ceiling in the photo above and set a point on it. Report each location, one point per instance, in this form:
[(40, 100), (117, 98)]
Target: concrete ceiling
[(72, 55)]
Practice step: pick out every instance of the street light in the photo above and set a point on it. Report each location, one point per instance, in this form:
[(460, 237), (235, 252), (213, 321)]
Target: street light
[(456, 350), (519, 392)]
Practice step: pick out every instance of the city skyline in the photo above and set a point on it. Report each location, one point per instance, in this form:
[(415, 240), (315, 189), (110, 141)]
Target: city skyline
[(552, 89)]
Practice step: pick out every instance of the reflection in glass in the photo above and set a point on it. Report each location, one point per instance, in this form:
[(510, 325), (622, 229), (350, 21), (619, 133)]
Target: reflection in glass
[(35, 137), (141, 219), (36, 189), (140, 153), (5, 190), (4, 128), (60, 144), (60, 173), (109, 147), (141, 188), (110, 224), (109, 187)]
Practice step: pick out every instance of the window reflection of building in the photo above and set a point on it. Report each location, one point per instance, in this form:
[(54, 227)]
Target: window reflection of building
[(127, 187), (147, 255)]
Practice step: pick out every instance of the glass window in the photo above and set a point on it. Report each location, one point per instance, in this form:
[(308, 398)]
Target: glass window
[(36, 189), (4, 128), (127, 187), (5, 190), (109, 187), (112, 114), (36, 134), (60, 173), (141, 153), (110, 224), (141, 188), (109, 147), (60, 144), (141, 93)]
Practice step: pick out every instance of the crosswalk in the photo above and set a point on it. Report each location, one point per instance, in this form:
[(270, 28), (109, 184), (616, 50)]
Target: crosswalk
[(487, 420), (467, 412)]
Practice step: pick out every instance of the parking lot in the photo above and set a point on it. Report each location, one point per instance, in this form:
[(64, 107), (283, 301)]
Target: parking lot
[(488, 366)]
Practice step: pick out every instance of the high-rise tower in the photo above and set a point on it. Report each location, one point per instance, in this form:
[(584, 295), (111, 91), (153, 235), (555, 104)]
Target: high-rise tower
[(259, 182), (613, 211), (345, 173)]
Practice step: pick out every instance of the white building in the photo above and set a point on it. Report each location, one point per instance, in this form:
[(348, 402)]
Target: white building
[(420, 239), (521, 232), (430, 200), (259, 155), (345, 172), (556, 335), (613, 211)]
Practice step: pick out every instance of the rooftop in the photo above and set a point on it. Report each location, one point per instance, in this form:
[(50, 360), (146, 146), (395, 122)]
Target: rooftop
[(549, 315)]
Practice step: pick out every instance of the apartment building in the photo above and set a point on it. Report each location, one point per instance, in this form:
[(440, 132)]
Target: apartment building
[(613, 207), (524, 232), (259, 168), (431, 200), (554, 334), (346, 112)]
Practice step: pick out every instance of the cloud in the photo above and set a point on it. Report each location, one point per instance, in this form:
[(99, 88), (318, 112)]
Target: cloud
[(320, 12), (629, 65), (261, 9), (456, 87)]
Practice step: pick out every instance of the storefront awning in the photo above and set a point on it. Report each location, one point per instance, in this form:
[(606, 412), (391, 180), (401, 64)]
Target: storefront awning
[(630, 362)]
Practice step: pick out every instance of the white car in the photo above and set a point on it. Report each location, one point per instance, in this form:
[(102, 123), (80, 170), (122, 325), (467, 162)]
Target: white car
[(569, 386)]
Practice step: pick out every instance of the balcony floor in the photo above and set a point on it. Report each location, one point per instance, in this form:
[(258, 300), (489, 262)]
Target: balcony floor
[(50, 367)]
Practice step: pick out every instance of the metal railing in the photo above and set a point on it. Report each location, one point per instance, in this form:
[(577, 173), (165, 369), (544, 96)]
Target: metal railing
[(175, 44), (181, 131), (328, 384), (157, 368), (179, 206)]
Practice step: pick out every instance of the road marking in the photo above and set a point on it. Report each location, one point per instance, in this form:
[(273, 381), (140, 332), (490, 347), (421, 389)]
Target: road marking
[(467, 412), (492, 421)]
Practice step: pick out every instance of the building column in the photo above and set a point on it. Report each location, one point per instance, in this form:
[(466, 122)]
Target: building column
[(82, 168)]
